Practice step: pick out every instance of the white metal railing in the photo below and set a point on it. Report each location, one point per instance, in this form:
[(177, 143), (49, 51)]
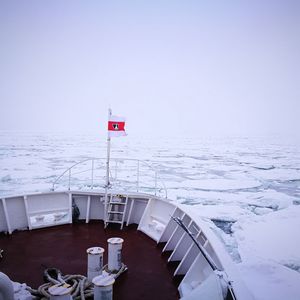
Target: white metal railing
[(125, 174)]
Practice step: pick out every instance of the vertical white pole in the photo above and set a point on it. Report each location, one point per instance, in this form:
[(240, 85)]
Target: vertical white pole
[(138, 176), (88, 208), (27, 212), (95, 262), (7, 217), (70, 208), (92, 174), (60, 292), (107, 172)]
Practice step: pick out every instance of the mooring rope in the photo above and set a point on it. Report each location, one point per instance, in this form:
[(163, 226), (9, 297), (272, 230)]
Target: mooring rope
[(81, 287)]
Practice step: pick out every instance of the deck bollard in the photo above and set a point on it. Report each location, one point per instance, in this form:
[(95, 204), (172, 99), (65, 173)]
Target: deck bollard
[(61, 291), (95, 262), (114, 254), (103, 287)]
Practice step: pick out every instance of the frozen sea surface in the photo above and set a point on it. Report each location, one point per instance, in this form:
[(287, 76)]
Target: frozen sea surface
[(248, 188)]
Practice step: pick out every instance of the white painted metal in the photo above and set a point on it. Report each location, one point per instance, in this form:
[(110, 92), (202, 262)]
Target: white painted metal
[(147, 170), (103, 287), (107, 183), (178, 253), (211, 289), (16, 213), (124, 211), (183, 246), (187, 259), (95, 262), (210, 250), (116, 209), (177, 234), (60, 292), (138, 176), (3, 219), (70, 209), (155, 218), (6, 216), (69, 184), (197, 273), (130, 212), (92, 183), (88, 207), (171, 243), (171, 226), (115, 254), (27, 212), (97, 207)]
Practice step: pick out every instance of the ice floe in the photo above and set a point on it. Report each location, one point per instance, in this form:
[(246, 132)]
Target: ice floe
[(268, 280), (272, 237)]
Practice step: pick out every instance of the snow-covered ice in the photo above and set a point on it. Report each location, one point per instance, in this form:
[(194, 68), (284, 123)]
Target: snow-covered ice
[(248, 187), (275, 231)]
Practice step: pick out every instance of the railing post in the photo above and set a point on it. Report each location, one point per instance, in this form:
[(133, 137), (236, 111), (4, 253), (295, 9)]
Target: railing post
[(158, 184), (155, 182), (69, 179), (138, 176), (92, 185)]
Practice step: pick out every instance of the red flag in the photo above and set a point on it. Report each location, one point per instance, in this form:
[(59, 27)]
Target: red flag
[(116, 126)]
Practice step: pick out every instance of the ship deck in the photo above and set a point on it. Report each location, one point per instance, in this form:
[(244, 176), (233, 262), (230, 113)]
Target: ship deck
[(28, 253)]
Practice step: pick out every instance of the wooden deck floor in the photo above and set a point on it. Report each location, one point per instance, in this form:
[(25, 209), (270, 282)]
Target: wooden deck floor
[(28, 253)]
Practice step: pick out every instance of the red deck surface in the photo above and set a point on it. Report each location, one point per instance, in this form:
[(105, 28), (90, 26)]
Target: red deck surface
[(28, 253)]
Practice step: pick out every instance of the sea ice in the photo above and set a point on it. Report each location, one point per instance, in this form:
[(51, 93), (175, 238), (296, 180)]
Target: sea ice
[(272, 237), (253, 182), (268, 280), (221, 184)]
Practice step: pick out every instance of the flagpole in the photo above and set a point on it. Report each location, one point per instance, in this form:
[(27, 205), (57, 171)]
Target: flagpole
[(107, 173)]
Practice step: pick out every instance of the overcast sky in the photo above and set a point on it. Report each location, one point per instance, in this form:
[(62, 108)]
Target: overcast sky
[(169, 67)]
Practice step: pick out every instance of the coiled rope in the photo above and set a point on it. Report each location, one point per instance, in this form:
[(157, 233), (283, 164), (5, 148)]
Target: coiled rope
[(81, 287)]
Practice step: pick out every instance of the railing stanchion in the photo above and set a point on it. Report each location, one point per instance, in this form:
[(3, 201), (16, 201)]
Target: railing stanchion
[(69, 179), (159, 184), (92, 186), (138, 176)]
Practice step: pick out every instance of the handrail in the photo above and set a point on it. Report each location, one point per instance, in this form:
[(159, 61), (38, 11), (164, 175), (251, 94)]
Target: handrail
[(70, 172)]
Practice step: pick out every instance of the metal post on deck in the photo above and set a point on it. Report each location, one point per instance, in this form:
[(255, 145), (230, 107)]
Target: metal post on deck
[(138, 176), (69, 179), (92, 185), (107, 173), (60, 291)]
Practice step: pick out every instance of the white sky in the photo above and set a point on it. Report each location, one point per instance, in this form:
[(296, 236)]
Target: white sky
[(169, 67)]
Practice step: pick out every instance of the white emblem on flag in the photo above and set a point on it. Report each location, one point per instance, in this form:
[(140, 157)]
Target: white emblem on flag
[(116, 126)]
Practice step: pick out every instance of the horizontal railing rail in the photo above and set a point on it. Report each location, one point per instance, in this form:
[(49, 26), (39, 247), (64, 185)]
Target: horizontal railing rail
[(125, 173)]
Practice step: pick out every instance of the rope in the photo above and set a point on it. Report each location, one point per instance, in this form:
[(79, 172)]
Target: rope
[(81, 288), (115, 274)]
